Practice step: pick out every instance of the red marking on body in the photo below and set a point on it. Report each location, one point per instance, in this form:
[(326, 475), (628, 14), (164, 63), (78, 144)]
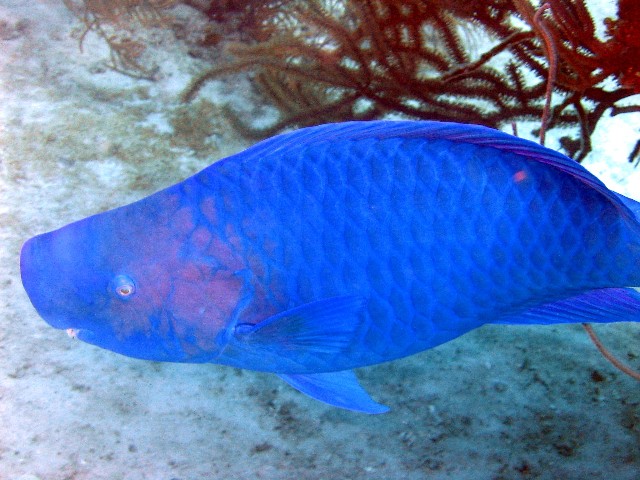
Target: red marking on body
[(519, 176)]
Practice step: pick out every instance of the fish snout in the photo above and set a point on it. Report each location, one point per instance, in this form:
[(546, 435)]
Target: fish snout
[(36, 279), (43, 275), (28, 269)]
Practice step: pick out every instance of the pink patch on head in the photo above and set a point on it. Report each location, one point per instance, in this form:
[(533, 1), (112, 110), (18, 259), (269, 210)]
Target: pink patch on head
[(202, 307), (161, 244), (208, 209), (256, 265), (190, 273), (233, 238), (182, 221), (201, 238), (153, 285), (225, 254)]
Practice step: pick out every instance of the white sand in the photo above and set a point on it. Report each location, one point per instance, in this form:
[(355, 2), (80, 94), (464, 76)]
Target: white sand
[(499, 403)]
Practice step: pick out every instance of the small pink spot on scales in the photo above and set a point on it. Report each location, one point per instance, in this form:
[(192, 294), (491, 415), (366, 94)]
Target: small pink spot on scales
[(519, 176), (269, 246), (256, 265), (233, 238)]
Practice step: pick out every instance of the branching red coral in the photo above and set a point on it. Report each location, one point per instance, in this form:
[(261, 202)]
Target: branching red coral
[(585, 61), (330, 60), (326, 60), (373, 57)]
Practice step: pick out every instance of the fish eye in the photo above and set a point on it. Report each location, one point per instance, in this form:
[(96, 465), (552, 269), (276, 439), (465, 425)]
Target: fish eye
[(123, 286)]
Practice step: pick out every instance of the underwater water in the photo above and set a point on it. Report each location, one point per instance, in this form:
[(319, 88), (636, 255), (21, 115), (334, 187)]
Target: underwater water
[(77, 138)]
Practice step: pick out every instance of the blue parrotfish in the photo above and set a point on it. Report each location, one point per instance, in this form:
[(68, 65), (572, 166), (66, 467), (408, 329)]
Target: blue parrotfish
[(343, 245)]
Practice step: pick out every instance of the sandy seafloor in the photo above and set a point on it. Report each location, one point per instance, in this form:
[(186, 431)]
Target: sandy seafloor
[(502, 402)]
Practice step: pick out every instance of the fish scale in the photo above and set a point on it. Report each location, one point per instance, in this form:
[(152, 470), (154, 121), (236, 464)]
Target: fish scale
[(341, 246)]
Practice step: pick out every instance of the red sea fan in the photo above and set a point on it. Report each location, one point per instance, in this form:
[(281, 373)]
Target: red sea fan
[(331, 60), (625, 45)]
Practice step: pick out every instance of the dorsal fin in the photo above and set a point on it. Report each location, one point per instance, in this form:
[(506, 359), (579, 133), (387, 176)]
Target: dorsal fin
[(631, 205), (430, 130)]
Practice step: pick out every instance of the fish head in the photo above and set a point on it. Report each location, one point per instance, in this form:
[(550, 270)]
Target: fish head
[(134, 281)]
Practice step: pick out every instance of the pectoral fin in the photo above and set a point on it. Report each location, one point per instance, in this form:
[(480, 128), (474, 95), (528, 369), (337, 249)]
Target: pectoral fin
[(323, 327), (326, 327), (340, 389)]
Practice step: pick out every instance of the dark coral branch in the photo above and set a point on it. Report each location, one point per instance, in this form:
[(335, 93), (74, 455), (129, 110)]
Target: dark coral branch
[(413, 58), (608, 355), (552, 57), (376, 61), (507, 43), (635, 154)]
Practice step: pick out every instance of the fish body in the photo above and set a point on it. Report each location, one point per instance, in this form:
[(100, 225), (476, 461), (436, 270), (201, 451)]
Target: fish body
[(340, 246)]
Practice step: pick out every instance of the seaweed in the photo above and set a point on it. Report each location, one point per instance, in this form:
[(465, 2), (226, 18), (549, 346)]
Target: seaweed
[(330, 60)]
